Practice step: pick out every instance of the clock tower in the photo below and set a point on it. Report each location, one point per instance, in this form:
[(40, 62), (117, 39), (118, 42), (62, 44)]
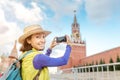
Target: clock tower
[(75, 36), (78, 51)]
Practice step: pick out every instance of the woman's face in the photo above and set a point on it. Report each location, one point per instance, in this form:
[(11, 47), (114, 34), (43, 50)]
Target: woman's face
[(37, 41)]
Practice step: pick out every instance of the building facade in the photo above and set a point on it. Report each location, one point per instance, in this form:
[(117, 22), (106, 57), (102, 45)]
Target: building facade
[(104, 57), (78, 54), (78, 46), (5, 61)]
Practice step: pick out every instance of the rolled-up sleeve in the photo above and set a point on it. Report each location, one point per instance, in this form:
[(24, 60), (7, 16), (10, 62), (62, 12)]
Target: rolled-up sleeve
[(48, 52)]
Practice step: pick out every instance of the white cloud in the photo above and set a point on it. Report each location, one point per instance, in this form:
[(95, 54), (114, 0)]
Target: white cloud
[(22, 13), (12, 14), (26, 14), (62, 8), (8, 37), (101, 10), (12, 32), (8, 30)]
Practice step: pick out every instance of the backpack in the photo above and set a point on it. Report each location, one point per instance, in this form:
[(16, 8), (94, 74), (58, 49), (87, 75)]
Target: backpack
[(13, 72)]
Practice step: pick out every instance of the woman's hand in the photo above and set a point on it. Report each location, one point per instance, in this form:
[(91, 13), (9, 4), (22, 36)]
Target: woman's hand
[(68, 40), (54, 43)]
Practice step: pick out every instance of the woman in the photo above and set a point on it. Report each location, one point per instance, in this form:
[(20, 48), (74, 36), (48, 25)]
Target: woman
[(36, 63)]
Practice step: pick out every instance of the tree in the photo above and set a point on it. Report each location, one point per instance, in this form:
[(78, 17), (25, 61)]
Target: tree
[(86, 64), (101, 62), (111, 67), (117, 67), (118, 59), (104, 67), (96, 67), (96, 62), (92, 62)]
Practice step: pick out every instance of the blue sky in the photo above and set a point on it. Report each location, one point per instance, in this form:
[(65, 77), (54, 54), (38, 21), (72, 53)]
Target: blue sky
[(99, 21)]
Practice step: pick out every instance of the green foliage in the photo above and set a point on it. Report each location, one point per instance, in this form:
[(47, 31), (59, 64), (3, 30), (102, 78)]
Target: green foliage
[(86, 64), (101, 62), (118, 59), (95, 68), (104, 67), (92, 62), (111, 61), (117, 67), (96, 63), (111, 67)]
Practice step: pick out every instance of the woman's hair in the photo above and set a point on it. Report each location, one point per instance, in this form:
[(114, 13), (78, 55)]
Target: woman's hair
[(26, 46)]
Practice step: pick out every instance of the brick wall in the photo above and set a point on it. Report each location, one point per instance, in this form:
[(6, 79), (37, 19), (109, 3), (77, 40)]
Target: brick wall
[(78, 52), (105, 55)]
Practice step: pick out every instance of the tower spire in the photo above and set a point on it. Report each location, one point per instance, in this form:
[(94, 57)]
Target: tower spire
[(75, 19), (14, 50), (76, 37)]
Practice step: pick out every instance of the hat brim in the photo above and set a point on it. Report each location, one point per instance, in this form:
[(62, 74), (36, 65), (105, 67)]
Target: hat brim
[(24, 36)]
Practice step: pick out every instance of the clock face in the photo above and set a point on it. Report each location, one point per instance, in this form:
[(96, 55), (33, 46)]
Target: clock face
[(76, 35), (75, 31)]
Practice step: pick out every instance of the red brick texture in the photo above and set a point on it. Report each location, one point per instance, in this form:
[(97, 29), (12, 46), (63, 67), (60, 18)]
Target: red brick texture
[(78, 56), (106, 56)]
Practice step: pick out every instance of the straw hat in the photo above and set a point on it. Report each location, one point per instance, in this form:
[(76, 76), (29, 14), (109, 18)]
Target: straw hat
[(32, 29)]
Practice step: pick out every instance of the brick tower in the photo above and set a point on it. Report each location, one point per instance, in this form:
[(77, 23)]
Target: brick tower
[(14, 50), (78, 46)]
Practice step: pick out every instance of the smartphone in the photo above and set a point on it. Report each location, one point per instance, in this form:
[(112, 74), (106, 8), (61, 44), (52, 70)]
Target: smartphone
[(61, 39)]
